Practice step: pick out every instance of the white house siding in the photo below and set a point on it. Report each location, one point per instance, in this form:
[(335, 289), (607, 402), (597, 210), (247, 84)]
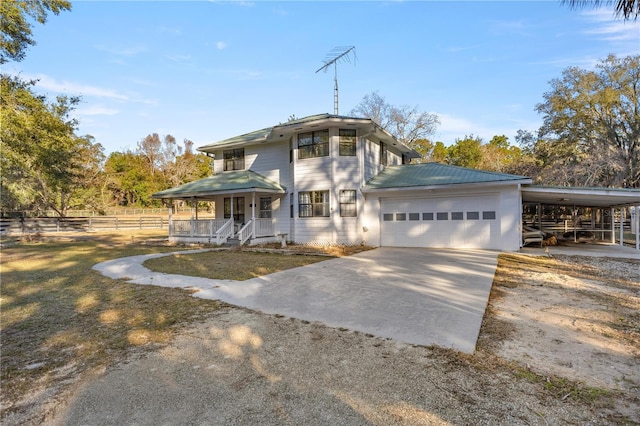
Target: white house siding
[(372, 164), (333, 173)]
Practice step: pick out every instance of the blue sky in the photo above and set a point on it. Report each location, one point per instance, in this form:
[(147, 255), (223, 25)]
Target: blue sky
[(209, 70)]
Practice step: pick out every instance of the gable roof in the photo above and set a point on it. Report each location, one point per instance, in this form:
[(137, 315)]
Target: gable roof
[(284, 131), (227, 182), (435, 174)]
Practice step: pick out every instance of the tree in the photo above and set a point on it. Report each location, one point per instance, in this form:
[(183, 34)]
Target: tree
[(625, 9), (465, 152), (498, 155), (405, 122), (44, 164), (15, 25), (591, 127)]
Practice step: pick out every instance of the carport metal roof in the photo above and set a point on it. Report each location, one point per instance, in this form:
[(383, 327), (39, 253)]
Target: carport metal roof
[(582, 197)]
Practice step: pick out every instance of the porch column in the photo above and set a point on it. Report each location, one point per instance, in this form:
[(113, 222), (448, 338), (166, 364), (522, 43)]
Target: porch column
[(253, 214), (196, 209), (621, 226), (191, 223), (170, 216), (613, 226), (231, 202)]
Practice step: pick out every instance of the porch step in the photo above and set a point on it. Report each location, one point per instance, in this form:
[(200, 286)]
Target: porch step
[(232, 242)]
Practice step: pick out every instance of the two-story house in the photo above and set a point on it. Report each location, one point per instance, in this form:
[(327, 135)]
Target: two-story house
[(329, 179)]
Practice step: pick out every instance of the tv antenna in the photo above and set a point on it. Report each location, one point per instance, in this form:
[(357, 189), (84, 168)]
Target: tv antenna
[(332, 58)]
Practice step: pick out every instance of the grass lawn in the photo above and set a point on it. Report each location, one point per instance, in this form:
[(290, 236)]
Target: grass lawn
[(229, 265), (59, 318)]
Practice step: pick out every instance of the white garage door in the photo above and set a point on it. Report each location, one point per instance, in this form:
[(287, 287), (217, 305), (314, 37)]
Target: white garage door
[(455, 222)]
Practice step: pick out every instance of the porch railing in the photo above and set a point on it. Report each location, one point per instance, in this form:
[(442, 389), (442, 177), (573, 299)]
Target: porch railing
[(264, 227), (224, 232), (196, 228), (219, 230), (245, 233)]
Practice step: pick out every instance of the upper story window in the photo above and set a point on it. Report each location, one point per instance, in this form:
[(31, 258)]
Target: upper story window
[(348, 142), (383, 153), (233, 159), (313, 144), (313, 204)]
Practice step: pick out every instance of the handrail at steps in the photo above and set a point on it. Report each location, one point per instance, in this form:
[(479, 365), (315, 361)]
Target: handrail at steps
[(245, 233), (224, 232)]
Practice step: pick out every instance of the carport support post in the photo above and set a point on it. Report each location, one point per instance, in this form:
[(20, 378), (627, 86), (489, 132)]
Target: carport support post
[(621, 226), (613, 226), (170, 216), (637, 222)]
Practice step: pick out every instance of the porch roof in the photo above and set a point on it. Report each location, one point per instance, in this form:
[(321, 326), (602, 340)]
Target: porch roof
[(424, 175), (228, 182)]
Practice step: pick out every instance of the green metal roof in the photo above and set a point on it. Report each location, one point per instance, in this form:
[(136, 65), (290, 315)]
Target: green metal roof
[(281, 130), (430, 174), (227, 182)]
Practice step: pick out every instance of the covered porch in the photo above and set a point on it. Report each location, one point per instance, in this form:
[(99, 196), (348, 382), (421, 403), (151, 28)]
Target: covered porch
[(243, 209)]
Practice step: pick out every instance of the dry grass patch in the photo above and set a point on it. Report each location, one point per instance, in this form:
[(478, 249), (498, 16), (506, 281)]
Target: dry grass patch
[(236, 265), (60, 319)]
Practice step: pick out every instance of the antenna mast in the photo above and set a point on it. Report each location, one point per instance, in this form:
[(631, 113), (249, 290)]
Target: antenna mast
[(332, 58)]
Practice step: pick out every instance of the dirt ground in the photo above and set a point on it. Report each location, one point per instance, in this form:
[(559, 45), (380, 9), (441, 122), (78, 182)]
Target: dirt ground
[(560, 344), (572, 317)]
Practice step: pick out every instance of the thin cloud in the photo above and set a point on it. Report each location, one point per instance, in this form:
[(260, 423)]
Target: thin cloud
[(182, 59), (609, 28), (96, 110), (221, 45), (48, 83), (122, 51)]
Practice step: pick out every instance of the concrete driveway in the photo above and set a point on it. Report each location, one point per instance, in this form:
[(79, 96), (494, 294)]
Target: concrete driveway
[(418, 296)]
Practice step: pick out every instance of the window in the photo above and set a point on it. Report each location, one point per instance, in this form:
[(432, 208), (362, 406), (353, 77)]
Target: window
[(442, 216), (414, 216), (387, 217), (348, 203), (401, 216), (313, 144), (347, 142), (473, 215), (427, 216), (457, 215), (383, 153), (238, 209), (490, 215), (265, 208), (313, 204), (233, 159)]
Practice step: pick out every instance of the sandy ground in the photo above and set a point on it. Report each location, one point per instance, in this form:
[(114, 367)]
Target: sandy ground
[(579, 320), (244, 367)]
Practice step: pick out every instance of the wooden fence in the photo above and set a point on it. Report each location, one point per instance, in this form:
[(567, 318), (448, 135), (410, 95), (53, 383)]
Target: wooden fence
[(79, 224)]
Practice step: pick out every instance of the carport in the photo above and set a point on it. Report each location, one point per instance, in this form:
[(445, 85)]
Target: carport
[(585, 214)]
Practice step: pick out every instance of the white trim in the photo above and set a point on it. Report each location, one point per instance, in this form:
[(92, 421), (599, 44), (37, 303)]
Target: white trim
[(453, 186)]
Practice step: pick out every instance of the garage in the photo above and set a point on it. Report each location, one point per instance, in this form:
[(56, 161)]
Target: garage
[(442, 222)]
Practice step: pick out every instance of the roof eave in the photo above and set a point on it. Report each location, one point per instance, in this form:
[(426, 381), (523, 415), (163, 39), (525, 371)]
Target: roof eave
[(462, 185)]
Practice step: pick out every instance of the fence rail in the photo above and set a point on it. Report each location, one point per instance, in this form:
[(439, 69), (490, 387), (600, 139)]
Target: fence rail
[(80, 224)]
